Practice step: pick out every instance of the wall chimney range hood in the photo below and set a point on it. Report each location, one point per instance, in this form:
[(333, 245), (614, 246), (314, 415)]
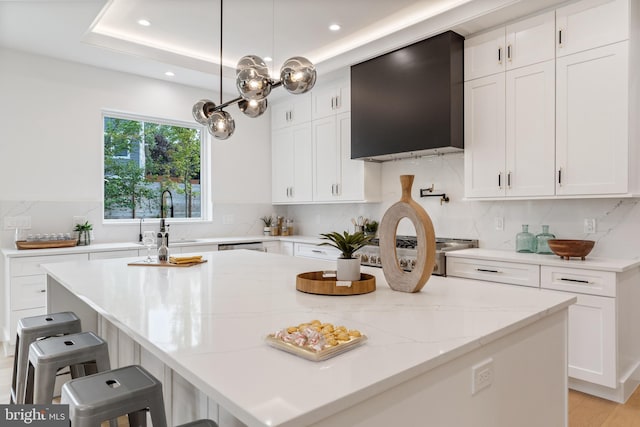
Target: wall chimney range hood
[(409, 102)]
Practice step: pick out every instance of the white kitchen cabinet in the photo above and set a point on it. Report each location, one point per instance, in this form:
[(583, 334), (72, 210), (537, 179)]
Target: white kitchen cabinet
[(26, 289), (523, 43), (509, 116), (484, 129), (272, 246), (308, 250), (292, 111), (286, 248), (330, 99), (292, 164), (604, 347), (115, 254), (337, 176), (530, 131), (592, 125), (589, 24), (188, 249)]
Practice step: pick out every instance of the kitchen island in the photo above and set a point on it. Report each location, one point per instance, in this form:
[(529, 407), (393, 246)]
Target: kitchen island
[(460, 352)]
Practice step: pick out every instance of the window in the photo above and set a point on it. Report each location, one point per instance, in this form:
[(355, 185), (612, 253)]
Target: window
[(143, 157)]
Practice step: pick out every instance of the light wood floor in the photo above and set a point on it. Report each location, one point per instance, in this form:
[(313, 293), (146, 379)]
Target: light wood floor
[(584, 410)]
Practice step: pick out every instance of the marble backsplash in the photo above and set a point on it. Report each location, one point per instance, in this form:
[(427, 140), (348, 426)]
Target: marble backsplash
[(617, 220)]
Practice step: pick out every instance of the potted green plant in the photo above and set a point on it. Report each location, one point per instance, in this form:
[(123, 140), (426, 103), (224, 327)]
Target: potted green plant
[(84, 233), (348, 266), (267, 221), (371, 228)]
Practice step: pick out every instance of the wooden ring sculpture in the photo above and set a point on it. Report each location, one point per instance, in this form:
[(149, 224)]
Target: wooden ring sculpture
[(397, 278)]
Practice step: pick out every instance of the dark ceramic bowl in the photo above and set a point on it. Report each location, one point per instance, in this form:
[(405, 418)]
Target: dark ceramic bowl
[(566, 249)]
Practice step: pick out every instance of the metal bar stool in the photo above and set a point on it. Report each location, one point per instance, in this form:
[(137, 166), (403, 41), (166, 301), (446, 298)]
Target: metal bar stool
[(130, 390), (200, 423), (31, 329), (48, 356)]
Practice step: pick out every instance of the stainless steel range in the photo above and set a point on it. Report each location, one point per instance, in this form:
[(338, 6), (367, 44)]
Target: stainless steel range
[(406, 252)]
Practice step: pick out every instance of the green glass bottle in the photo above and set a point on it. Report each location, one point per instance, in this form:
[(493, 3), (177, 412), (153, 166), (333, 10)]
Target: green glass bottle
[(542, 241), (525, 241)]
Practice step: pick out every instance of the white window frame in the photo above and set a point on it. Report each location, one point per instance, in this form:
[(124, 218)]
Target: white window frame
[(206, 202)]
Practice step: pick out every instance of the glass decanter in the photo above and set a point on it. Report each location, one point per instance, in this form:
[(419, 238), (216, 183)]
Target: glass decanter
[(542, 241), (525, 241)]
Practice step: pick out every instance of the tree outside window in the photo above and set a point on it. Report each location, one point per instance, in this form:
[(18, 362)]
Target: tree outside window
[(160, 156)]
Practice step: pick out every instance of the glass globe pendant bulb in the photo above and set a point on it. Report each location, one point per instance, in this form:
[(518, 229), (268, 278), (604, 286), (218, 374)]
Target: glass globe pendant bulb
[(253, 108), (252, 78), (221, 125), (298, 75), (202, 110)]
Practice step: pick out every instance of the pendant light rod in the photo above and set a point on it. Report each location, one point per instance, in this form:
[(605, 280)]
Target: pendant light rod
[(221, 10)]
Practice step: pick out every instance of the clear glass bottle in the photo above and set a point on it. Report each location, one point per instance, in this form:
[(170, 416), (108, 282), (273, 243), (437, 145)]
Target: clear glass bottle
[(542, 241), (525, 241), (163, 250)]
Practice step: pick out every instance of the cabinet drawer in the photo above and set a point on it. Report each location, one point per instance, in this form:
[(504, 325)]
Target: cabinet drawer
[(315, 251), (29, 266), (494, 271), (114, 254), (28, 292), (590, 282)]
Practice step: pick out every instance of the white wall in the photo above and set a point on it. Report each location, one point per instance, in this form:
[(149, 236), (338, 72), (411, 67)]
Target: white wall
[(51, 139), (618, 220)]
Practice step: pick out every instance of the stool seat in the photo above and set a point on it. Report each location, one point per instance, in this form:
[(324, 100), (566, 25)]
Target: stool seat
[(108, 395), (200, 423), (48, 356), (31, 329)]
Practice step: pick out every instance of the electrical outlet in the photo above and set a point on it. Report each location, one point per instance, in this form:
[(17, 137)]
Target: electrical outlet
[(589, 225), (481, 375), (78, 220), (499, 223)]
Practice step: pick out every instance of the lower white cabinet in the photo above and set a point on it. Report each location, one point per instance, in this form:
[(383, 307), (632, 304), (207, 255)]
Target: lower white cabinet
[(604, 345)]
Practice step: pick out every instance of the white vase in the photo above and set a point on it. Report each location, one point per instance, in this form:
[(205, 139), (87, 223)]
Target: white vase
[(266, 231), (348, 269)]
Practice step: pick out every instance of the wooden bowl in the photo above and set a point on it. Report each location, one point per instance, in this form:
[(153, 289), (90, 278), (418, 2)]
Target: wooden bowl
[(566, 248)]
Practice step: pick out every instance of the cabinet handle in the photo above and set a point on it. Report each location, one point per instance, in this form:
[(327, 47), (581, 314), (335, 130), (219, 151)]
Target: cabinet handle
[(499, 55), (337, 102), (509, 179), (291, 191), (337, 189), (560, 37), (509, 52), (317, 251), (564, 279), (42, 291), (560, 176), (485, 270), (499, 179)]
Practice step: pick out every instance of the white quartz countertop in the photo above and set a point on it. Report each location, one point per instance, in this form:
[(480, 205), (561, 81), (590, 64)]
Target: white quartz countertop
[(117, 246), (209, 322), (590, 263)]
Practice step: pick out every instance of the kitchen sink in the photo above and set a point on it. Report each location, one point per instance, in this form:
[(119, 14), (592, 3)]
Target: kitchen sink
[(175, 242)]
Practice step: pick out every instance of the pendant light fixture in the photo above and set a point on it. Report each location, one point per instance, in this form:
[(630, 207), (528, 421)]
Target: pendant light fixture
[(297, 75)]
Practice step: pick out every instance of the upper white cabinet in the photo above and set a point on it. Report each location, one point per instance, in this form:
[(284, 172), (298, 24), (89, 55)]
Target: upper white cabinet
[(330, 100), (568, 99), (517, 45), (312, 161), (509, 116), (337, 177), (592, 127), (591, 23), (292, 111), (291, 160)]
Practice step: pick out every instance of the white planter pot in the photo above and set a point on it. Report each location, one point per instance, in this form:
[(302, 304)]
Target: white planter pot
[(348, 269), (266, 231)]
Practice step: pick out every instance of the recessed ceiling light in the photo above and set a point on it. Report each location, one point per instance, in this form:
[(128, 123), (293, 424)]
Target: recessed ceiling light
[(334, 27), (268, 59), (169, 74), (144, 22)]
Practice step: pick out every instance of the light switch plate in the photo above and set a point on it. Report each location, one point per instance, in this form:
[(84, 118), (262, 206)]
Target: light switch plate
[(499, 223), (589, 225)]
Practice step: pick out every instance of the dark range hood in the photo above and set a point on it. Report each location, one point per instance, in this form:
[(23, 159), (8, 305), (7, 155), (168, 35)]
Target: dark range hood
[(409, 102)]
